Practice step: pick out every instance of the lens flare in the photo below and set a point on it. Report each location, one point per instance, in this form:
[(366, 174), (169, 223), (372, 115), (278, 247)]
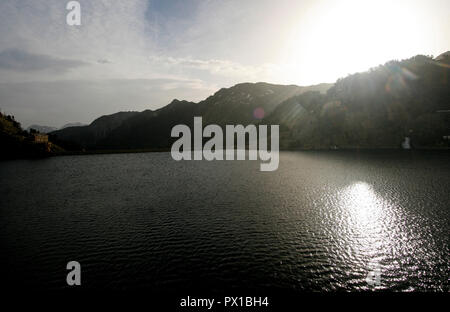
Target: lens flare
[(258, 113)]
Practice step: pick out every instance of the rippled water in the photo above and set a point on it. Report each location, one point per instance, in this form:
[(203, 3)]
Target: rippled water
[(322, 221)]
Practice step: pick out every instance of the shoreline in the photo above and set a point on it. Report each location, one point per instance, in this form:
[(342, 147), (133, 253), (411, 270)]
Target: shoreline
[(167, 150)]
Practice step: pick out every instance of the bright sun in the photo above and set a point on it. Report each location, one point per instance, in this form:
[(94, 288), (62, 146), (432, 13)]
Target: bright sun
[(349, 36)]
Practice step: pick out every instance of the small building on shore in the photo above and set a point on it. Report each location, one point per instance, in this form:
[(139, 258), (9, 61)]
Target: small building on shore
[(40, 138)]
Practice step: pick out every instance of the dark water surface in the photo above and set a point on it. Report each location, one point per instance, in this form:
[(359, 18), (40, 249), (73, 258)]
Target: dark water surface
[(322, 221)]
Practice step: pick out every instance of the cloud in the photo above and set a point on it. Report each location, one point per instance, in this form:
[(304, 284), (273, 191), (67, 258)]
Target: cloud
[(181, 48), (23, 61), (44, 79), (55, 103), (223, 70)]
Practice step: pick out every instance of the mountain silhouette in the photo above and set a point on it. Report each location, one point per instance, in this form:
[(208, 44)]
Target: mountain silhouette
[(151, 129), (373, 109)]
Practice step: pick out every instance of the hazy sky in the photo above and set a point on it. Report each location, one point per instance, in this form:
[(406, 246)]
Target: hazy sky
[(140, 54)]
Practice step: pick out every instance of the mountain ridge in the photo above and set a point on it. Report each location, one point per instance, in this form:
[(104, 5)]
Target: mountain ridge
[(234, 104), (373, 109)]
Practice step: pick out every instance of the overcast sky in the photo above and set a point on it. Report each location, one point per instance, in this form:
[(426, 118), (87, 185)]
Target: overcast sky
[(140, 54)]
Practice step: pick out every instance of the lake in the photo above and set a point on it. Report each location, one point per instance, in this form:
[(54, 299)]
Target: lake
[(323, 221)]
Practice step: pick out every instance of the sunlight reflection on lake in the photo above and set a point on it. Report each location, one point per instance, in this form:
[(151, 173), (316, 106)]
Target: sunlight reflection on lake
[(366, 214)]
